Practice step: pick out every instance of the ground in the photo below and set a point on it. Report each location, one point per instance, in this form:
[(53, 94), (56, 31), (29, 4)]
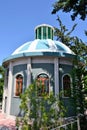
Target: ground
[(8, 122)]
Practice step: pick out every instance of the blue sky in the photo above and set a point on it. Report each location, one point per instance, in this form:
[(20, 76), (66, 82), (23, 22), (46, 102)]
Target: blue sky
[(18, 18)]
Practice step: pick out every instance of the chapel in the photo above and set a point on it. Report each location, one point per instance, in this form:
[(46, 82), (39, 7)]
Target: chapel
[(43, 58)]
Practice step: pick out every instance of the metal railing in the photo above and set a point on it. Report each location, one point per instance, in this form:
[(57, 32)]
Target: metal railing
[(73, 125), (68, 124)]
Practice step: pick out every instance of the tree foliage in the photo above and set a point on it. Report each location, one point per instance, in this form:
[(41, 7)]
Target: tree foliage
[(76, 7), (40, 112), (63, 34), (80, 63)]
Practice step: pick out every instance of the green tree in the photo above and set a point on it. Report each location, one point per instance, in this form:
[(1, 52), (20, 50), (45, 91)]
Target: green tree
[(63, 34), (43, 111), (1, 81), (76, 7), (80, 62)]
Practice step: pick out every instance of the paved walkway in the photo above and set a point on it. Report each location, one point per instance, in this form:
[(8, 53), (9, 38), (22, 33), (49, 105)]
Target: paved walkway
[(7, 122)]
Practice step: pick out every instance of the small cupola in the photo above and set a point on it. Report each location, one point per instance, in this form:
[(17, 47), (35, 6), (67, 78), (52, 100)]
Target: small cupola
[(44, 31)]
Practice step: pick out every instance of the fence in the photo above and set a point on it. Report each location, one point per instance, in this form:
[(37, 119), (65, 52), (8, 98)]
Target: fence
[(73, 125), (70, 124)]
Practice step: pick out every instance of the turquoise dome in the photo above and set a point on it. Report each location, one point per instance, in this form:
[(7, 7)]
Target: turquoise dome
[(43, 45)]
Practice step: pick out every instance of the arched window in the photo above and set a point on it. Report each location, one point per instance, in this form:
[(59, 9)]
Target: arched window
[(66, 85), (43, 84), (19, 85)]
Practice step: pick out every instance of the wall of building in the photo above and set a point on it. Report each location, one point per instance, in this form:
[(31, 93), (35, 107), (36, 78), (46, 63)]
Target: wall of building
[(68, 102), (41, 66), (15, 101), (37, 68), (47, 68)]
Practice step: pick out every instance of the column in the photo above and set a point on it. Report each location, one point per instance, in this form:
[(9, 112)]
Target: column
[(9, 90), (29, 72), (56, 75)]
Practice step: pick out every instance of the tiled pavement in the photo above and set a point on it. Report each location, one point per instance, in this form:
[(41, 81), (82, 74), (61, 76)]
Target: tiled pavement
[(7, 122)]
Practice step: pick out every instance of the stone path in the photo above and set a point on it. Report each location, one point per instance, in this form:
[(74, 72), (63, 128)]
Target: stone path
[(6, 122)]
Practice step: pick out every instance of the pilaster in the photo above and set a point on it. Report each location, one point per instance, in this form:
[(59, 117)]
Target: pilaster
[(29, 72), (56, 75), (9, 90)]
